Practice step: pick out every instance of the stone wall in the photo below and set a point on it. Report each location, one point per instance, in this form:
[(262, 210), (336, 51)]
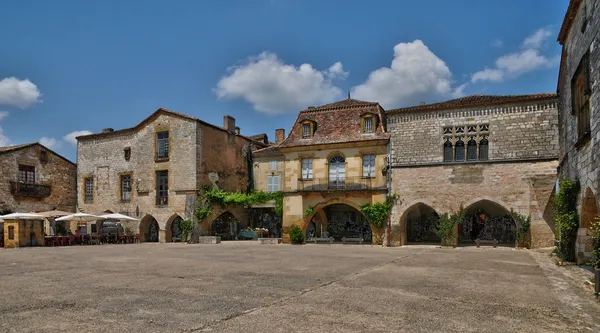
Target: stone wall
[(516, 131), (581, 163), (262, 169), (57, 172), (523, 187)]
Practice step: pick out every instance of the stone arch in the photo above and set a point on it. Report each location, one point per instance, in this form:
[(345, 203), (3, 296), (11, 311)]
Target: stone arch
[(225, 226), (320, 212), (149, 229), (172, 230), (487, 219), (419, 223), (589, 208)]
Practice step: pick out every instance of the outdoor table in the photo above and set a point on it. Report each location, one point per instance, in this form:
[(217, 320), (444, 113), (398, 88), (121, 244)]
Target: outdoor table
[(248, 234)]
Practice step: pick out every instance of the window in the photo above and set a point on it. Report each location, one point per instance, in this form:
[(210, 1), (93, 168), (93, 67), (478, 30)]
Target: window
[(368, 165), (94, 228), (89, 190), (127, 153), (273, 165), (11, 232), (483, 149), (472, 150), (125, 187), (306, 130), (26, 173), (162, 187), (307, 171), (272, 183), (580, 93), (459, 148), (368, 124), (162, 145), (448, 151), (43, 156)]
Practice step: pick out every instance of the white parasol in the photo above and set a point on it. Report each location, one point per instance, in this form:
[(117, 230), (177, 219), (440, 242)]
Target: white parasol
[(22, 216), (119, 217), (80, 217)]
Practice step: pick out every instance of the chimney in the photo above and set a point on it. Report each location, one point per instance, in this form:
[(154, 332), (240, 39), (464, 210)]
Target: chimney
[(422, 103), (279, 135), (229, 123), (237, 130), (108, 130)]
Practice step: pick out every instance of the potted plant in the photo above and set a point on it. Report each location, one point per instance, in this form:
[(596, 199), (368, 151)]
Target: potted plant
[(296, 235)]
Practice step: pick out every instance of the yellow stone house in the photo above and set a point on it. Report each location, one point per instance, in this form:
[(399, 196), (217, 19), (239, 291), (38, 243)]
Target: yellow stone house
[(334, 162)]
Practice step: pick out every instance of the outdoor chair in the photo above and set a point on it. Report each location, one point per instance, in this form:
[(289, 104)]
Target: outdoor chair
[(138, 238)]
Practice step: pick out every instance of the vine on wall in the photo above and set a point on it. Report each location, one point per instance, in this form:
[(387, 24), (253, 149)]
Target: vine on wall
[(523, 226), (446, 227), (566, 219), (595, 234), (210, 197)]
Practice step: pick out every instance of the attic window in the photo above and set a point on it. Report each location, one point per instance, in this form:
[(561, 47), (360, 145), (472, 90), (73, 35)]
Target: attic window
[(368, 123), (127, 153), (307, 129)]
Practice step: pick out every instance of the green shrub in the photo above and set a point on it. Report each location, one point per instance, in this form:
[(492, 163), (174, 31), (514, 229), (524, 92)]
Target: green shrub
[(566, 219), (595, 234), (185, 226), (446, 227), (309, 211), (296, 235), (523, 225)]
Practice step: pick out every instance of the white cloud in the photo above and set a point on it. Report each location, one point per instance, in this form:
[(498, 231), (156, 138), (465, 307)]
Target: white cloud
[(415, 74), (71, 137), (497, 43), (337, 71), (459, 91), (49, 142), (274, 87), (515, 64), (20, 93), (536, 39), (4, 141), (494, 75)]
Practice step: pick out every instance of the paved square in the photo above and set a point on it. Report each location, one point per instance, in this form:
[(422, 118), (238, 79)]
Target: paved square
[(246, 287)]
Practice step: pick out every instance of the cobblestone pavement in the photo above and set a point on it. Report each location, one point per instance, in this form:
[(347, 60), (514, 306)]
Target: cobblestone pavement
[(246, 287)]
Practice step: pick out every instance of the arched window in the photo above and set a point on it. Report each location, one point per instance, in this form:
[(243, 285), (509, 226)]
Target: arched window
[(459, 148), (448, 151), (337, 171), (483, 149), (472, 150)]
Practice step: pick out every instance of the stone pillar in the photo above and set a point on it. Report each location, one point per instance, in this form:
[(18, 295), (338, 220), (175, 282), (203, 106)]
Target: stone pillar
[(162, 236)]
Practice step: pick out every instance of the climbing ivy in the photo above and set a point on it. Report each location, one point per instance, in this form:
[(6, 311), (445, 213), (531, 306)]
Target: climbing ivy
[(378, 212), (210, 197), (523, 225), (446, 227), (595, 234), (308, 211), (565, 217), (185, 226)]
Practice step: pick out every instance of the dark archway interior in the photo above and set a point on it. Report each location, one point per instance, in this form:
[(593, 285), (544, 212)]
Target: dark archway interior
[(589, 208), (421, 223), (149, 229), (175, 229), (225, 226), (487, 220), (346, 221)]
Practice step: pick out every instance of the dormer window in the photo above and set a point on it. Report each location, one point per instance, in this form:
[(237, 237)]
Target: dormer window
[(368, 123), (308, 129)]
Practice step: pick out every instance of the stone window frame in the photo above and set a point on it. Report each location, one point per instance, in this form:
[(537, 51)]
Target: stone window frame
[(127, 153), (90, 199), (580, 99), (373, 170), (364, 118), (311, 126), (27, 172), (43, 156), (309, 171), (158, 158), (452, 133), (130, 175)]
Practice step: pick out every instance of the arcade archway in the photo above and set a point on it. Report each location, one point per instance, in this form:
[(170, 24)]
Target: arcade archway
[(421, 222), (488, 221), (149, 229)]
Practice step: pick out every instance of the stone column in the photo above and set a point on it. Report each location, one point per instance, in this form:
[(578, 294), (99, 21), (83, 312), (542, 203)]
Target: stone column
[(162, 236)]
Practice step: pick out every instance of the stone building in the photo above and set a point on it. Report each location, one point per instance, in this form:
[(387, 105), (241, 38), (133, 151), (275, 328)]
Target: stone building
[(332, 160), (35, 179), (486, 154), (152, 171), (268, 175), (579, 119)]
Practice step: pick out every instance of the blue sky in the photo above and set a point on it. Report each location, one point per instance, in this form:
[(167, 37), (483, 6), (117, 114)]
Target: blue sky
[(74, 66)]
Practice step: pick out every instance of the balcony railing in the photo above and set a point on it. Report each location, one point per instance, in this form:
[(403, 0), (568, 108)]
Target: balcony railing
[(344, 184), (29, 189)]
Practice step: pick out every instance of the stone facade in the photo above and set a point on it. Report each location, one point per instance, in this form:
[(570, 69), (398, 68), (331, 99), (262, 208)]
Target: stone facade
[(580, 154), (198, 154), (53, 185), (516, 172)]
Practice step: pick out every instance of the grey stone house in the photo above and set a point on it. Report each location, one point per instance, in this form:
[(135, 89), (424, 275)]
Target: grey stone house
[(152, 171), (579, 119), (486, 154)]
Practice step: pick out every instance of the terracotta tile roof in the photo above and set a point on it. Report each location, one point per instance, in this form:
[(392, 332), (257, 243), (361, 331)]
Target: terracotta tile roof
[(268, 151), (474, 100), (338, 122), (262, 137), (568, 20), (154, 116), (8, 149)]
